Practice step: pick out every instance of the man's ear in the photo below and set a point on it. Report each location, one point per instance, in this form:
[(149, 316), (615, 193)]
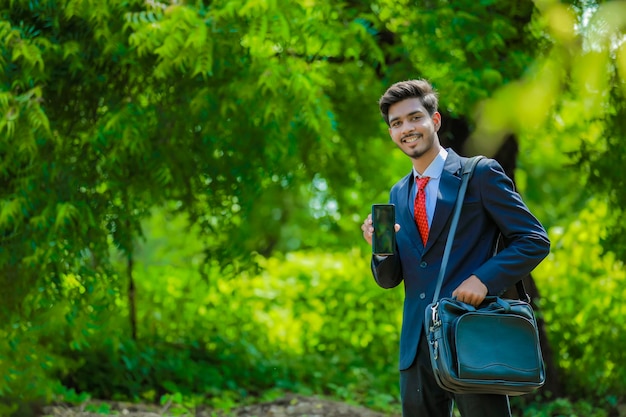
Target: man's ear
[(436, 120)]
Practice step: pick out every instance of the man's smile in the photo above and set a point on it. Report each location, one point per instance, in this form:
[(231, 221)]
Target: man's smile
[(411, 138)]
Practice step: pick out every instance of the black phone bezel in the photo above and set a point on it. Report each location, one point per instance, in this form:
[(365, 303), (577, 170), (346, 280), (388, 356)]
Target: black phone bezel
[(376, 238)]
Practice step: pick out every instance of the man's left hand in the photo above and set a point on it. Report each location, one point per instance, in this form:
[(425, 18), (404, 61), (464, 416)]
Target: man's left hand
[(471, 291)]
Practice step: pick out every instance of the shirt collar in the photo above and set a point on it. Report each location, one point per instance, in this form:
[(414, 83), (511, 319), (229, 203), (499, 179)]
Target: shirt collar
[(435, 169)]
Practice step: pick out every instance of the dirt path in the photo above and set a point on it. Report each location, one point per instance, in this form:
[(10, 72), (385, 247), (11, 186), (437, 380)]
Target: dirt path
[(288, 406)]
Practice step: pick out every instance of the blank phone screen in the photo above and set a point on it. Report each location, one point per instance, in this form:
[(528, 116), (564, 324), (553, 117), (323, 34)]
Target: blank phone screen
[(384, 220)]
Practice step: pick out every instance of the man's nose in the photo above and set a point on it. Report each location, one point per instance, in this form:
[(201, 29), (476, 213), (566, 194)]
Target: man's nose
[(407, 128)]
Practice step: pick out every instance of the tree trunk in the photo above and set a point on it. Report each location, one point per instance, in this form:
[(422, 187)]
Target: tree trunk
[(131, 297)]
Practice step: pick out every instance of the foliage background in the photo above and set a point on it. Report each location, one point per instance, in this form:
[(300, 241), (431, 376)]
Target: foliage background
[(182, 184)]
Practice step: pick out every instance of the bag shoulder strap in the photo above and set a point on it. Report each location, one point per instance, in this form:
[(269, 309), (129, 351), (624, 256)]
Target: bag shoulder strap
[(468, 171)]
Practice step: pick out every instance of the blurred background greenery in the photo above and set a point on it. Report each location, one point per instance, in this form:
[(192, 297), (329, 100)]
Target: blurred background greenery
[(182, 185)]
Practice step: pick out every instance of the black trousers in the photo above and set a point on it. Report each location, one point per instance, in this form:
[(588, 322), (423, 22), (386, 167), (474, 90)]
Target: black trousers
[(422, 397)]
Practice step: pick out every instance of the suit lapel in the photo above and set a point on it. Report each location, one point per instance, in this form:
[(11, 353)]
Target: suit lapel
[(449, 185), (404, 211)]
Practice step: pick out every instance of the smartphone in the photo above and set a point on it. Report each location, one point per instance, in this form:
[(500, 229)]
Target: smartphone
[(384, 221)]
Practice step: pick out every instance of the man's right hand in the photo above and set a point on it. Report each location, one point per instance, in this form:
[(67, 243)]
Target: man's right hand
[(368, 229)]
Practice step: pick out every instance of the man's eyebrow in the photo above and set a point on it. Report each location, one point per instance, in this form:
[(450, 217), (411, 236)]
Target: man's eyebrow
[(393, 119)]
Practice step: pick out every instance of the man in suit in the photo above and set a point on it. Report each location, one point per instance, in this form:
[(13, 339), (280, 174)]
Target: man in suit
[(424, 201)]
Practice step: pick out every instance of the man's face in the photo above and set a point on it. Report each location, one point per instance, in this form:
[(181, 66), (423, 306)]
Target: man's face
[(413, 129)]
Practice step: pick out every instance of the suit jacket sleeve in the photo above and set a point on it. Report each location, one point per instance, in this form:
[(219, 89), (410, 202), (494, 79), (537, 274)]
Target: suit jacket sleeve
[(387, 272), (526, 241)]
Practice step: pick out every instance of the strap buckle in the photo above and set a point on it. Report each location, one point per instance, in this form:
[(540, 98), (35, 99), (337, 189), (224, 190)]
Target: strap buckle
[(435, 315)]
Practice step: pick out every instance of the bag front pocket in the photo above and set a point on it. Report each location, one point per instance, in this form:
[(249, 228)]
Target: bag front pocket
[(497, 347)]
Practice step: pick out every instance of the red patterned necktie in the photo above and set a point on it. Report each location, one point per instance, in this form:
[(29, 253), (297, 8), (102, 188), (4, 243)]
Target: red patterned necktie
[(421, 219)]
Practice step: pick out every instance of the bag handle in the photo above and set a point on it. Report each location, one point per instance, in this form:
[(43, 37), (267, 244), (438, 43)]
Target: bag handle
[(468, 171)]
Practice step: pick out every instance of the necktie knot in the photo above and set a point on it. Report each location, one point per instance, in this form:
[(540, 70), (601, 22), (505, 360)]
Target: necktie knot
[(421, 183)]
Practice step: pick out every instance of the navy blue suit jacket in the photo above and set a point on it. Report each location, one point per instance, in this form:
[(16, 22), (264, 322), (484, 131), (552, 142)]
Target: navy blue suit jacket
[(491, 207)]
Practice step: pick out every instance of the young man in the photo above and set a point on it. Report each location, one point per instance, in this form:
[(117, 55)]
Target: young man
[(491, 208)]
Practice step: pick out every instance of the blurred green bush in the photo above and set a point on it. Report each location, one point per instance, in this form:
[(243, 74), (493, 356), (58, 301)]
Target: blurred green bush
[(583, 292), (309, 322)]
